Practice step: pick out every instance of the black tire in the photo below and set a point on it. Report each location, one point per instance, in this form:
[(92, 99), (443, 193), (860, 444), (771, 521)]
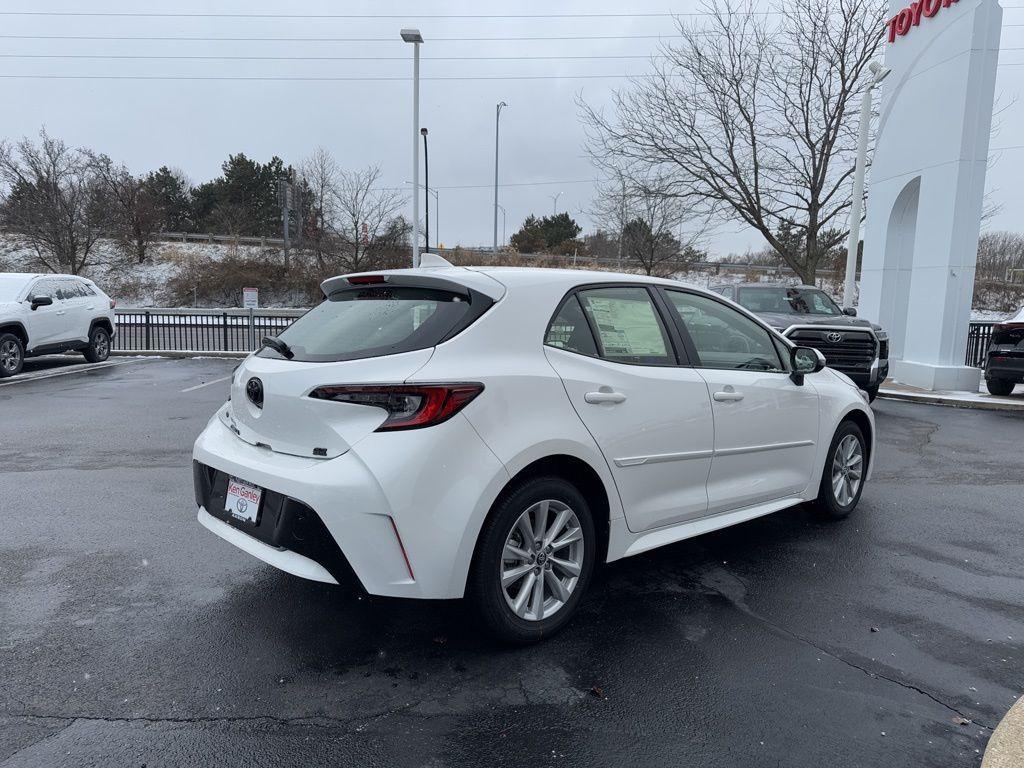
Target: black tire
[(1001, 387), (12, 355), (827, 504), (872, 393), (99, 345), (484, 589)]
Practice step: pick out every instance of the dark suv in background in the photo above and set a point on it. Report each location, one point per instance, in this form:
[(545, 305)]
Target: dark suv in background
[(810, 318), (1004, 364)]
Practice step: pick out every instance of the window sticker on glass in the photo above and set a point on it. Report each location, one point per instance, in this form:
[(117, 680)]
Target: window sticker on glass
[(627, 325)]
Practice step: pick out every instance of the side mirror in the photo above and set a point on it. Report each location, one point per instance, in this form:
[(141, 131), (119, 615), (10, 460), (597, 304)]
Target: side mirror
[(804, 360), (850, 311), (41, 301)]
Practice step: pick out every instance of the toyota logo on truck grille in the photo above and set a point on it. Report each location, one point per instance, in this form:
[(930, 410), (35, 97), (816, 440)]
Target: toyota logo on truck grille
[(254, 391), (834, 337)]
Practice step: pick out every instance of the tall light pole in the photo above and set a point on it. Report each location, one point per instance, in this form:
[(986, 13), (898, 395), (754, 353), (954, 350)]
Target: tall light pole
[(413, 36), (504, 240), (426, 187), (554, 203), (497, 123), (878, 73)]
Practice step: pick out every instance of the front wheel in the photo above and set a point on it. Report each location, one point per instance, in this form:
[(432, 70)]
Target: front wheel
[(1001, 387), (99, 345), (534, 560), (12, 355), (842, 480)]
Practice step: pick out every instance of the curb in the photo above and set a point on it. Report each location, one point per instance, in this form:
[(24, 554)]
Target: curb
[(951, 402), (1006, 746), (177, 354)]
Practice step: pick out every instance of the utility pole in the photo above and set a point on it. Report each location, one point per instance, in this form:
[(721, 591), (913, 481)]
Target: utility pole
[(497, 123), (284, 196), (554, 203), (413, 36), (622, 222), (426, 187)]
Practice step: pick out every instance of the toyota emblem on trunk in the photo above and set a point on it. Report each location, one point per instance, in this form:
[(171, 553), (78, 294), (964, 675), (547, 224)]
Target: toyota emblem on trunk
[(254, 391), (834, 337)]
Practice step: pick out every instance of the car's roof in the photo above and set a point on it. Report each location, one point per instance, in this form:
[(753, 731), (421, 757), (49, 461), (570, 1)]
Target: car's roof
[(34, 275), (767, 285), (494, 281)]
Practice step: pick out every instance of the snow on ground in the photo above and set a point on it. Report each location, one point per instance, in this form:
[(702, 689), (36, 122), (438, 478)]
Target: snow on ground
[(145, 285)]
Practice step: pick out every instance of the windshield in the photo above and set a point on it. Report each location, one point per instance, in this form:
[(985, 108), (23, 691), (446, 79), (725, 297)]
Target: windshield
[(10, 287), (788, 301), (369, 322)]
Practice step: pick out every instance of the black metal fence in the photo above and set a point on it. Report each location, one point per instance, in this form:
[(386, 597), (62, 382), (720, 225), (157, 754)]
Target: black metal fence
[(978, 337), (239, 330), (191, 330)]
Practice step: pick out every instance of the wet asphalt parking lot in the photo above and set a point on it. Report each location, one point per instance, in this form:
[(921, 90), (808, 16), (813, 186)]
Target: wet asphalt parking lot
[(130, 636)]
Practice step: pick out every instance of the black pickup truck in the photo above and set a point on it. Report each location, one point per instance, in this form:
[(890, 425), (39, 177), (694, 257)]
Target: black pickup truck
[(808, 316)]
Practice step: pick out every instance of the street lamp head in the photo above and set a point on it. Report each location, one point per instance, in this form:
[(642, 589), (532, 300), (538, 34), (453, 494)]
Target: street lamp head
[(411, 36), (879, 71)]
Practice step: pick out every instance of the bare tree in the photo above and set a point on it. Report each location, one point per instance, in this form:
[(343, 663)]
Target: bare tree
[(366, 219), (53, 201), (133, 209), (320, 174), (652, 227), (751, 113)]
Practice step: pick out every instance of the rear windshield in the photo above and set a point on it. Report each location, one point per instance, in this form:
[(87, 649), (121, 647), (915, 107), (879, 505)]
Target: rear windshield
[(374, 321), (787, 301)]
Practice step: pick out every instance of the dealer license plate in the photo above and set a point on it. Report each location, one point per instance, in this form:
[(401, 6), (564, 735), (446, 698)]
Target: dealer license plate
[(243, 500)]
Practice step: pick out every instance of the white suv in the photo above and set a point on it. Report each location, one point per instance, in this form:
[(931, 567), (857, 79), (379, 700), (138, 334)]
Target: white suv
[(44, 314), (495, 433)]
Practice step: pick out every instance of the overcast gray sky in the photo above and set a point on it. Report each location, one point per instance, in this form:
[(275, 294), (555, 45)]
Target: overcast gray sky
[(193, 125)]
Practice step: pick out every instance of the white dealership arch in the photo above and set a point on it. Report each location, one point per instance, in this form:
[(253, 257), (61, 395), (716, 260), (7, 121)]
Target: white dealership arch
[(927, 183)]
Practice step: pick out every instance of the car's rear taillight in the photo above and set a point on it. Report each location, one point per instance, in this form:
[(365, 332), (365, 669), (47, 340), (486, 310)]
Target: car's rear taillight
[(113, 303), (409, 406)]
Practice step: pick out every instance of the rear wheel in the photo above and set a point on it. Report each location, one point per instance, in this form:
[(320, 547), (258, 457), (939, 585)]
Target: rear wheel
[(99, 345), (1000, 386), (843, 478), (12, 355), (534, 560)]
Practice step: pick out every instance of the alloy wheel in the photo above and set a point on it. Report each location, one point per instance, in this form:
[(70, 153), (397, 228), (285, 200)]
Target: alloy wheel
[(10, 356), (101, 345), (542, 560), (847, 470)]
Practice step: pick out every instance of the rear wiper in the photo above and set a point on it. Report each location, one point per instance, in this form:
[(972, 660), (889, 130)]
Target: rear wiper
[(278, 346)]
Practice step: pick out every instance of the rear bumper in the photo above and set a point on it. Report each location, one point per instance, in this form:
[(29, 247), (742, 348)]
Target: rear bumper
[(1004, 366), (426, 492)]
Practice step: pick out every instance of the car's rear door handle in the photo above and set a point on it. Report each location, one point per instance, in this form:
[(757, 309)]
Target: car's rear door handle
[(727, 396), (604, 397)]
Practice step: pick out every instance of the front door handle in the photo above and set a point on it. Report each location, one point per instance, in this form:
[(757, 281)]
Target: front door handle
[(728, 396), (604, 397)]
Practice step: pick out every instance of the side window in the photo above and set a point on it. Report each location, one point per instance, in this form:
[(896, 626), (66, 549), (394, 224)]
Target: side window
[(69, 289), (84, 289), (45, 287), (570, 331), (723, 337), (627, 324)]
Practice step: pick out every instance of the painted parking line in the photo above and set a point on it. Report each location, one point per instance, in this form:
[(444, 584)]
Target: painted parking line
[(25, 378), (206, 384)]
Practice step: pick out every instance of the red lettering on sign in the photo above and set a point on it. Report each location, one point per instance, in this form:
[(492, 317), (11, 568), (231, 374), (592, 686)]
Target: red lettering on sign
[(910, 16)]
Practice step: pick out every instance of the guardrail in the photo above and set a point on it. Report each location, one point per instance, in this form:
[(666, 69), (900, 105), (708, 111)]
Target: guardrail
[(240, 330), (198, 330)]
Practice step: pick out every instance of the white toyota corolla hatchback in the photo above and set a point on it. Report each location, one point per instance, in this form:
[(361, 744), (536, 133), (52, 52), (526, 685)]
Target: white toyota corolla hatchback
[(495, 433)]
